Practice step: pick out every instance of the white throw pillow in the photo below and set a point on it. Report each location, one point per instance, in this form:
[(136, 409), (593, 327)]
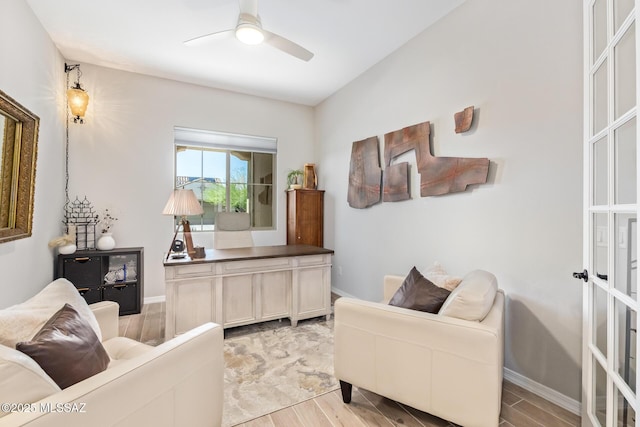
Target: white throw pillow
[(438, 275), (21, 322), (473, 297)]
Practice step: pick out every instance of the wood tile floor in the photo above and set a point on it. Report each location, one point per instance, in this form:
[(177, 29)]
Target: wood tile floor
[(520, 408)]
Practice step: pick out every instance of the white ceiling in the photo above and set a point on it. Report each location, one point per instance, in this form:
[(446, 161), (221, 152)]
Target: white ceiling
[(145, 36)]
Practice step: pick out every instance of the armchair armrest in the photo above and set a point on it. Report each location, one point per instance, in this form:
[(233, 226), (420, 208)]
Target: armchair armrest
[(106, 313)]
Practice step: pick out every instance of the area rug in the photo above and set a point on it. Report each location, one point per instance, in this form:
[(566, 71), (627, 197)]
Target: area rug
[(272, 365)]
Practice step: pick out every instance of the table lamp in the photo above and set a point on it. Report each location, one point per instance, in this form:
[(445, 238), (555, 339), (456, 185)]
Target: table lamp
[(183, 203)]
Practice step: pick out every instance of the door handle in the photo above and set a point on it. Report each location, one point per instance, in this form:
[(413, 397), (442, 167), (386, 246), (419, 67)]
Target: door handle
[(584, 275)]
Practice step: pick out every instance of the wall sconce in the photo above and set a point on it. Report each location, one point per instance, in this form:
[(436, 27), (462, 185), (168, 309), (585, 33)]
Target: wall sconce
[(77, 98)]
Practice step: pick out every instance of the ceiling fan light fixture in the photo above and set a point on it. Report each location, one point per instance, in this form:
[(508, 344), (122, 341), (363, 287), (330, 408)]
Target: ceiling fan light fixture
[(249, 34)]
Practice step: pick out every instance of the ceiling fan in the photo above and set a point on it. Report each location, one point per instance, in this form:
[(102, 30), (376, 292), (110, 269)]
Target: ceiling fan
[(249, 30)]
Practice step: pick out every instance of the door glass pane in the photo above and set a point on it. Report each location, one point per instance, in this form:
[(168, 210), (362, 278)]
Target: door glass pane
[(600, 319), (600, 98), (600, 172), (599, 409), (626, 414), (600, 245), (599, 12), (625, 158), (624, 54), (625, 253), (621, 9), (626, 344)]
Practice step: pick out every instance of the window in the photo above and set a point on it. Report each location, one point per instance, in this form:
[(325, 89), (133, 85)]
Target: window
[(228, 173)]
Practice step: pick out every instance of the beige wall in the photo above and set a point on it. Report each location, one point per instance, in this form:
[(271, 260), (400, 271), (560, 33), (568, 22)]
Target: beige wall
[(519, 64), (32, 73)]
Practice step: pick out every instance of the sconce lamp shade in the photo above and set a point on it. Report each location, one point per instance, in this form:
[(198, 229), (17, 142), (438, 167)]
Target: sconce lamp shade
[(183, 203), (78, 100)]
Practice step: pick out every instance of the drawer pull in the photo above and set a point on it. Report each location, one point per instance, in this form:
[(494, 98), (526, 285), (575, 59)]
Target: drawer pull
[(119, 286), (83, 290), (82, 259)]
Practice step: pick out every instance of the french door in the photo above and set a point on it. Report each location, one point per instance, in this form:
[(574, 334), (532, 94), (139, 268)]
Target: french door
[(610, 292)]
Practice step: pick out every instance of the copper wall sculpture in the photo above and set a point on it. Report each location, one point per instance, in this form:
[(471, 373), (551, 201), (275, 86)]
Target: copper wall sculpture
[(438, 175), (364, 174), (463, 119)]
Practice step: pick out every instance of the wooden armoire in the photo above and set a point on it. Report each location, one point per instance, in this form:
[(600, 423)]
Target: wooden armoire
[(305, 217)]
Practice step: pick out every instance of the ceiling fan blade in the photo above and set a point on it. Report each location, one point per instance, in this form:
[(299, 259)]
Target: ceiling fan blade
[(208, 37), (287, 46)]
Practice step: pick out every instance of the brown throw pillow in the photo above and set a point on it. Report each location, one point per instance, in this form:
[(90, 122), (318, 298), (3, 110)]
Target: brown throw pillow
[(67, 348), (419, 293)]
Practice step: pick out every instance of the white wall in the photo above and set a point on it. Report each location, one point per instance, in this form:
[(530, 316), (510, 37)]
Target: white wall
[(122, 156), (519, 64), (32, 73)]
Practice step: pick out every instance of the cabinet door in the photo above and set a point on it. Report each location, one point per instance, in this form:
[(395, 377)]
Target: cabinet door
[(238, 300), (292, 224), (313, 293), (125, 294), (91, 294), (275, 294), (83, 271), (192, 304), (305, 210)]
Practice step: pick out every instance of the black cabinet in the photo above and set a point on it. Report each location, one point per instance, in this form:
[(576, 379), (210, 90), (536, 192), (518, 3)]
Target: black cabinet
[(115, 275)]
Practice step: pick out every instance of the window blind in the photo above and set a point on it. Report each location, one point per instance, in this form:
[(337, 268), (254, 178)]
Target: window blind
[(225, 141)]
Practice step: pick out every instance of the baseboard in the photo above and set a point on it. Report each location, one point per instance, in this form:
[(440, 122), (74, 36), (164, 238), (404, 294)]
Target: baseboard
[(543, 391), (151, 300)]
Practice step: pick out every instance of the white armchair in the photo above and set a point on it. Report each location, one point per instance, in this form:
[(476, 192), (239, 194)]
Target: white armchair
[(178, 383), (446, 366)]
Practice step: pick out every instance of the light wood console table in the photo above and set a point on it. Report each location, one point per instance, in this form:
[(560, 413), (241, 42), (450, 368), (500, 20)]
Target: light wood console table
[(234, 287)]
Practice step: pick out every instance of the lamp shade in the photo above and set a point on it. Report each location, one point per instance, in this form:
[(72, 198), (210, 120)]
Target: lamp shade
[(183, 203), (78, 100)]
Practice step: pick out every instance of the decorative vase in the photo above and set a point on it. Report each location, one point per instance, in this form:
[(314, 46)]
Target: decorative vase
[(106, 242), (67, 249), (310, 178)]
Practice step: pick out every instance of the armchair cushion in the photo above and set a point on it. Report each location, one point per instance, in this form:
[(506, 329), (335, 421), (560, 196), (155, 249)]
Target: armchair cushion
[(66, 348), (419, 293), (21, 321), (472, 298)]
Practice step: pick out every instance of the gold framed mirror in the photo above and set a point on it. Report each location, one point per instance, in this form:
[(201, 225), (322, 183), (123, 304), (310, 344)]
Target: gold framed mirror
[(18, 151)]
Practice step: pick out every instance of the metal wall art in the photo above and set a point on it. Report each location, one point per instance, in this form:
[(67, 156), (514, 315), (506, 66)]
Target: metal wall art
[(438, 175)]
